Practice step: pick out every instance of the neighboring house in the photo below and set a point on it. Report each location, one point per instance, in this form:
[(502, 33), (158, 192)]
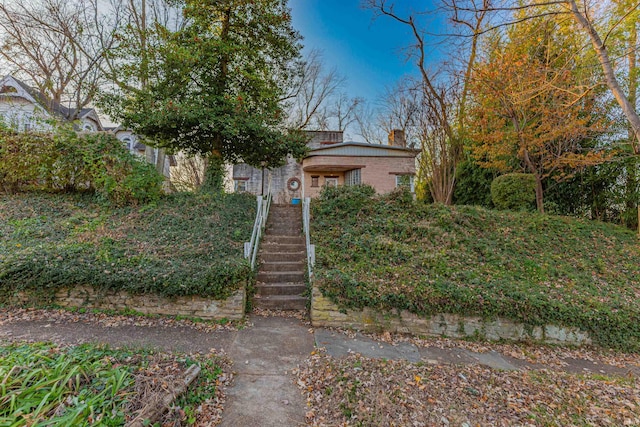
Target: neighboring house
[(332, 162), (27, 109), (133, 144)]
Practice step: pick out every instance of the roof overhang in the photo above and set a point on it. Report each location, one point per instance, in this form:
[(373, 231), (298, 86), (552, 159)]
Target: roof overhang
[(330, 167), (359, 149)]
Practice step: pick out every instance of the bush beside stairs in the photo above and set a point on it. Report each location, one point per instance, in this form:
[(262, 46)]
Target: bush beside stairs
[(281, 277)]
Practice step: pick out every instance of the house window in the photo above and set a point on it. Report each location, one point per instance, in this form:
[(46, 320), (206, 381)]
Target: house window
[(405, 181), (352, 177), (331, 181), (127, 142), (87, 128), (315, 181), (28, 122), (240, 185)]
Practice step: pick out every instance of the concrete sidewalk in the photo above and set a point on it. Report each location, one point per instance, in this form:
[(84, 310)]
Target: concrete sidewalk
[(264, 353)]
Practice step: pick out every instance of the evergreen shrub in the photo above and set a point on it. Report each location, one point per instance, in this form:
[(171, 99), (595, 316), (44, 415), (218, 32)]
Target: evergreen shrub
[(514, 191), (68, 161)]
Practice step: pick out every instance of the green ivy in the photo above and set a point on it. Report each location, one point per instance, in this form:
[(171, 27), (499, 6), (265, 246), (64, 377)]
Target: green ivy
[(182, 244), (391, 254)]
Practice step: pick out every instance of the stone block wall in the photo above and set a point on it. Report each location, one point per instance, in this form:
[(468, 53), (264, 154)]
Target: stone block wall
[(325, 313), (191, 306)]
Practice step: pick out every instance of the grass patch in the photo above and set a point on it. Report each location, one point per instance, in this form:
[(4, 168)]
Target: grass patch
[(392, 254), (184, 244), (43, 384)]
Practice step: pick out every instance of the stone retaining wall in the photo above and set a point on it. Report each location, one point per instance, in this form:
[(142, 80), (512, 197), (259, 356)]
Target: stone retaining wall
[(325, 313), (193, 306)]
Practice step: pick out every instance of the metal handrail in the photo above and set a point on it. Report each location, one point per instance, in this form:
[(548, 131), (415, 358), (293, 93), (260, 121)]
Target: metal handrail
[(262, 213), (311, 249)]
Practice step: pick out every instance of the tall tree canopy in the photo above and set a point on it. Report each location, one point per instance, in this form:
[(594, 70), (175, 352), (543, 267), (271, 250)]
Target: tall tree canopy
[(214, 85), (534, 105)]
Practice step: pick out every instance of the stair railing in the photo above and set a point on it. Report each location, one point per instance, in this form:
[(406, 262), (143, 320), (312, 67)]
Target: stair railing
[(311, 249), (262, 212)]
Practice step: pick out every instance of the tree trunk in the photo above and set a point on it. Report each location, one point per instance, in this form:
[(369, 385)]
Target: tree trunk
[(603, 56), (539, 194), (213, 174), (539, 189)]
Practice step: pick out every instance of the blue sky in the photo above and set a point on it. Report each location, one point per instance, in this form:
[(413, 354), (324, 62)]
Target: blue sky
[(368, 51)]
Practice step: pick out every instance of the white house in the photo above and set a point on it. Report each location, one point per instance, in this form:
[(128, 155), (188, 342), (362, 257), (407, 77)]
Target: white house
[(27, 109)]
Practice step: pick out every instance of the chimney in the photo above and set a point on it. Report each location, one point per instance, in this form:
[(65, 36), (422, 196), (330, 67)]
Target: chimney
[(319, 139), (396, 138)]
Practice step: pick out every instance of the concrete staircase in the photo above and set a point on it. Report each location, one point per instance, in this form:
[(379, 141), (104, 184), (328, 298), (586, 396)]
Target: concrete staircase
[(281, 276)]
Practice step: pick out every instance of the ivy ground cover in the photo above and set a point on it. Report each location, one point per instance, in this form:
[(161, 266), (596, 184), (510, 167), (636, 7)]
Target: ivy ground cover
[(392, 253), (183, 244)]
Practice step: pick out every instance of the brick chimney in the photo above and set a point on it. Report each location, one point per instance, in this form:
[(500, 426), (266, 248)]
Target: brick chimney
[(397, 139), (321, 139)]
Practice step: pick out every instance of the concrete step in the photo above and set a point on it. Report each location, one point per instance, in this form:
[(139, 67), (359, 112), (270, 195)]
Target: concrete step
[(280, 238), (285, 222), (270, 256), (275, 228), (282, 266), (280, 302), (282, 247), (285, 211), (293, 289), (283, 231), (282, 216), (280, 276), (288, 207)]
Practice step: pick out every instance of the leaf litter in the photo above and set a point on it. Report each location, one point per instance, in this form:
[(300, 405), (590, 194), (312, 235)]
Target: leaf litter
[(360, 391), (106, 319)]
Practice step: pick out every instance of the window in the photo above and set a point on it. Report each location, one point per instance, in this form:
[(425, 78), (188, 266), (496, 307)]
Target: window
[(28, 122), (87, 127), (352, 177), (127, 141), (405, 181), (331, 181), (315, 181), (240, 185), (293, 184)]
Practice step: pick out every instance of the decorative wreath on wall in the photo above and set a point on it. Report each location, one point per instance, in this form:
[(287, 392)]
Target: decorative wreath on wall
[(293, 184)]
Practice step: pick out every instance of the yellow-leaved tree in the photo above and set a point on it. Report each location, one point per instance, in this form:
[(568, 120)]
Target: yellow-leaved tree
[(534, 105)]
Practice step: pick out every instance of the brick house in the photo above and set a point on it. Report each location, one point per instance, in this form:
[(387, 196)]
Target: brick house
[(332, 162)]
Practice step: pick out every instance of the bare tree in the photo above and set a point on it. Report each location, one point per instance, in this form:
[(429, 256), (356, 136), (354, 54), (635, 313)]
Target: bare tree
[(436, 155), (442, 104), (368, 122), (343, 111), (307, 102), (46, 43), (128, 32), (188, 175)]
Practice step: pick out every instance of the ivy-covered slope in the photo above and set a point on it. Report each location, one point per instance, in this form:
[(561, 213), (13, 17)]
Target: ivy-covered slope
[(182, 245), (393, 253)]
